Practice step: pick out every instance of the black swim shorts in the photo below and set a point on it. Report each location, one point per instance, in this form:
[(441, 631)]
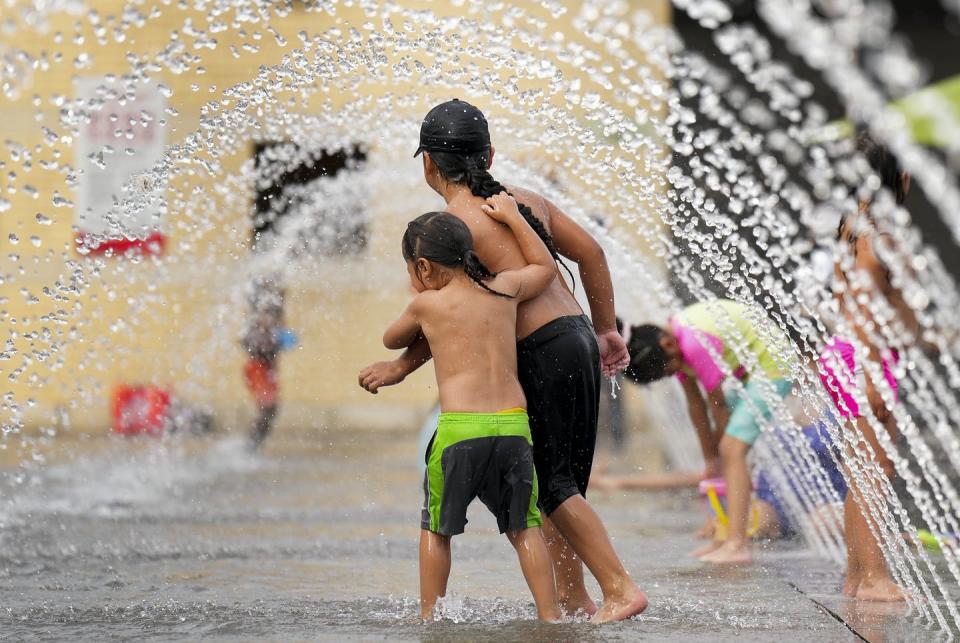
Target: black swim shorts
[(485, 456), (559, 368)]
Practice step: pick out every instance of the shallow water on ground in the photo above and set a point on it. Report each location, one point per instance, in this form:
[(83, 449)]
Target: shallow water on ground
[(316, 539)]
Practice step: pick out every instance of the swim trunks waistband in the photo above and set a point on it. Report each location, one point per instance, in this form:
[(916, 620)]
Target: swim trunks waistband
[(552, 329), (456, 427)]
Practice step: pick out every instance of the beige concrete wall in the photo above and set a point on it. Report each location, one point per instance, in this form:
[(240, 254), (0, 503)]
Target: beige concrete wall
[(168, 320)]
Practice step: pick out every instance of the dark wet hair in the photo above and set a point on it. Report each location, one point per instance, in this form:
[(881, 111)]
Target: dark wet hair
[(884, 163), (471, 170), (648, 360), (444, 239)]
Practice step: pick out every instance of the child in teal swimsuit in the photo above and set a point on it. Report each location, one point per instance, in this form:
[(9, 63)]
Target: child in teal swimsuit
[(680, 350), (482, 445)]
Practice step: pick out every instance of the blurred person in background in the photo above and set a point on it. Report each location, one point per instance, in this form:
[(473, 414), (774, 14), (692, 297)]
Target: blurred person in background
[(263, 340)]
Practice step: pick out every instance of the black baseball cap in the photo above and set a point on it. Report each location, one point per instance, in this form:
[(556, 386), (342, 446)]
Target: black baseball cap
[(454, 126)]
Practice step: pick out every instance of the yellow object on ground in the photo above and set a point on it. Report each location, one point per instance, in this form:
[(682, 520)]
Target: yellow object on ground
[(720, 532)]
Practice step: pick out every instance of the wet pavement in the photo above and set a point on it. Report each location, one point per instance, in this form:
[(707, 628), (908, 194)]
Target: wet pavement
[(316, 539)]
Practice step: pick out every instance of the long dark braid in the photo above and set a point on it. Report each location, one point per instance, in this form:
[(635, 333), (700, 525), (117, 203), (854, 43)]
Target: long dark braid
[(471, 170), (444, 239), (478, 271)]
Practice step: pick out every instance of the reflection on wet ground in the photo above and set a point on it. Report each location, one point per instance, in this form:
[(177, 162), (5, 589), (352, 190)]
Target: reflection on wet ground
[(316, 539)]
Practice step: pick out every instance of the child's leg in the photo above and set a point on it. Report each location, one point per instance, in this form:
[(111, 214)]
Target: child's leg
[(874, 580), (871, 581), (852, 521), (583, 529), (743, 429), (537, 571), (261, 426), (434, 571), (561, 380), (572, 594), (733, 453)]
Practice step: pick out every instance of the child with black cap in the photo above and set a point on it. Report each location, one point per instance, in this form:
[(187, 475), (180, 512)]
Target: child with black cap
[(561, 352)]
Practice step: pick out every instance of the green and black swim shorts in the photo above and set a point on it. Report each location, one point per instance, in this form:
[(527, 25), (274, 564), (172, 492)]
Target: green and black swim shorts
[(480, 455)]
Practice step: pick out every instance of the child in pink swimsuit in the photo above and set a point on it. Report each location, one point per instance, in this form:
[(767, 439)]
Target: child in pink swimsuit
[(842, 373), (726, 426)]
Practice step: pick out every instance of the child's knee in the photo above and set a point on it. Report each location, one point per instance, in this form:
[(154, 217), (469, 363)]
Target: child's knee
[(520, 535)]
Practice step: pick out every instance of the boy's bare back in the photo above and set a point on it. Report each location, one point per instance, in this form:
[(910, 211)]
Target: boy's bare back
[(472, 335), (470, 320)]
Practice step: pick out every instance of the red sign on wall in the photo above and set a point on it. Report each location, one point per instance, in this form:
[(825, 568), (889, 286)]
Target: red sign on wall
[(119, 205)]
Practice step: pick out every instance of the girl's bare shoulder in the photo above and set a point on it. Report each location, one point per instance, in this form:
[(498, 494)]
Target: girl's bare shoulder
[(425, 301)]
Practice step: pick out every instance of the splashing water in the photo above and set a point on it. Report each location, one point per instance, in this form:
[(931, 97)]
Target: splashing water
[(704, 178)]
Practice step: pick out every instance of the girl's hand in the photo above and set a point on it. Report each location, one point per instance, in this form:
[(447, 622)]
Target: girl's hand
[(380, 374), (614, 357), (501, 207)]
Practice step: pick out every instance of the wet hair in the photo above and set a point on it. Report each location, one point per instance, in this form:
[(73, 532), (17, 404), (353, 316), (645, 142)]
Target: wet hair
[(648, 360), (444, 239), (884, 163), (471, 170)]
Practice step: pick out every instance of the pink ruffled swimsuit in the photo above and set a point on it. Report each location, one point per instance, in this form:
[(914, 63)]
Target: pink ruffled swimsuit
[(840, 370)]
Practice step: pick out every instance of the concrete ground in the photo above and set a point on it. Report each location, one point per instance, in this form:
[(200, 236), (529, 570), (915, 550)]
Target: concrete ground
[(316, 539)]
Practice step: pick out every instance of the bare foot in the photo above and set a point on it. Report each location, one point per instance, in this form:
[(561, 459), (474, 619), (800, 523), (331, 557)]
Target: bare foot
[(852, 582), (577, 607), (730, 554), (703, 550), (619, 609), (880, 589), (706, 531)]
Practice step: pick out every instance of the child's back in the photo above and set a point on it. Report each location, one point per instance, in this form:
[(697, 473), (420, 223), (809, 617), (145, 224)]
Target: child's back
[(472, 338)]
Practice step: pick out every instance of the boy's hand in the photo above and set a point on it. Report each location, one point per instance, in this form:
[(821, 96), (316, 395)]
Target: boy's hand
[(501, 207), (381, 374), (614, 357)]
